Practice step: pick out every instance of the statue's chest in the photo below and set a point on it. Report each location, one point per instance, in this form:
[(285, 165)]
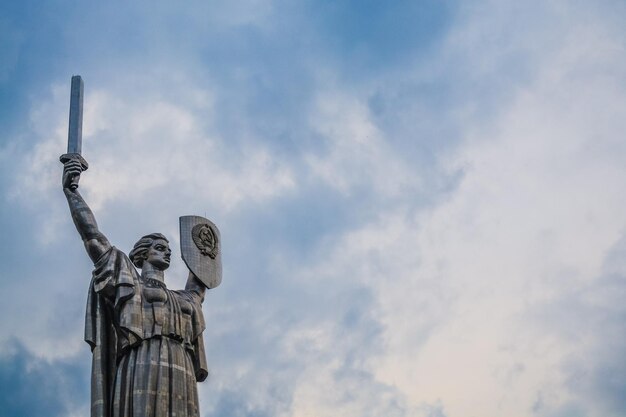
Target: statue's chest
[(153, 293), (165, 312)]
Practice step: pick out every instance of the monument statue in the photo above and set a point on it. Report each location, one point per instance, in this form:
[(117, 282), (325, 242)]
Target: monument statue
[(146, 340)]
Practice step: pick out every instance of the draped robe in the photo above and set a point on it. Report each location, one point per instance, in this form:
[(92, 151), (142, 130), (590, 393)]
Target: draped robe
[(146, 342)]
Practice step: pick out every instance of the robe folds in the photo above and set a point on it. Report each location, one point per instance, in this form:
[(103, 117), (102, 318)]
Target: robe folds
[(146, 342)]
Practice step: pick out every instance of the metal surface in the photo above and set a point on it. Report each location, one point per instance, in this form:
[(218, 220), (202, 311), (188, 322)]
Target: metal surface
[(200, 246), (75, 131)]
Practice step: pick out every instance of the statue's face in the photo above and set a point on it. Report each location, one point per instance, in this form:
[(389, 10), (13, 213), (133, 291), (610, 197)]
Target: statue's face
[(159, 254)]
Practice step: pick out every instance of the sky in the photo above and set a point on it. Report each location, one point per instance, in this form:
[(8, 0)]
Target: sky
[(422, 204)]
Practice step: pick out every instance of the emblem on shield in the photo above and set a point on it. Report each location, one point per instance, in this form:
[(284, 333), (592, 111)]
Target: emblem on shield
[(200, 247), (205, 239)]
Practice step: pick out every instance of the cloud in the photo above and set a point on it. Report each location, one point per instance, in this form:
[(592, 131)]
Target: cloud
[(590, 319), (357, 158), (538, 206), (31, 386), (536, 210), (438, 234)]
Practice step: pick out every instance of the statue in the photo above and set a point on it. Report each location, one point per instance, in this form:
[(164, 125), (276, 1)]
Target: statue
[(146, 340)]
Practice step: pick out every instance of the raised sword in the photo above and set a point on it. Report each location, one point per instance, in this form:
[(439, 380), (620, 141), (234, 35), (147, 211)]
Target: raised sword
[(75, 129)]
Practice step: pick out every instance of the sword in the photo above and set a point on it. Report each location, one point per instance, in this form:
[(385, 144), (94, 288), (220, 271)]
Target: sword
[(75, 130)]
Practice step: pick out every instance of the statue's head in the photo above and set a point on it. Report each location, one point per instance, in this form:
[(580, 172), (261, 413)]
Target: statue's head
[(154, 249)]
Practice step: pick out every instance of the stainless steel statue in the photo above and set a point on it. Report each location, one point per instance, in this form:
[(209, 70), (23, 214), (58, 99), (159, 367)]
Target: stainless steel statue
[(146, 340)]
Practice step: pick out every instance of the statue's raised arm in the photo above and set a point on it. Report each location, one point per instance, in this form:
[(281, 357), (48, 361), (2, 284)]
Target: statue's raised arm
[(95, 242)]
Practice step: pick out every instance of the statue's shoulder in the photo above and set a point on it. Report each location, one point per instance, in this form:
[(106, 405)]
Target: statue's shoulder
[(116, 262)]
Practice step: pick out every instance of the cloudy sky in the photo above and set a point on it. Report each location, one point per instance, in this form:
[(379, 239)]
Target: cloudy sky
[(422, 203)]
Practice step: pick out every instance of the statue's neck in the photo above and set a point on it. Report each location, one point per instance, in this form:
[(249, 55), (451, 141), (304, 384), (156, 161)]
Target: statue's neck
[(150, 272)]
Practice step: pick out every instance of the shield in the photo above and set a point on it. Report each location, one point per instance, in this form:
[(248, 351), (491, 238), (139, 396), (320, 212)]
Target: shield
[(200, 245)]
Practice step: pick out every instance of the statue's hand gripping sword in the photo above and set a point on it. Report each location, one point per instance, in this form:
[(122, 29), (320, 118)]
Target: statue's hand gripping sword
[(75, 131)]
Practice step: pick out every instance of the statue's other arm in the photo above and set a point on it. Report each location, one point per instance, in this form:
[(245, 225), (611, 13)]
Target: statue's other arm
[(95, 242)]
